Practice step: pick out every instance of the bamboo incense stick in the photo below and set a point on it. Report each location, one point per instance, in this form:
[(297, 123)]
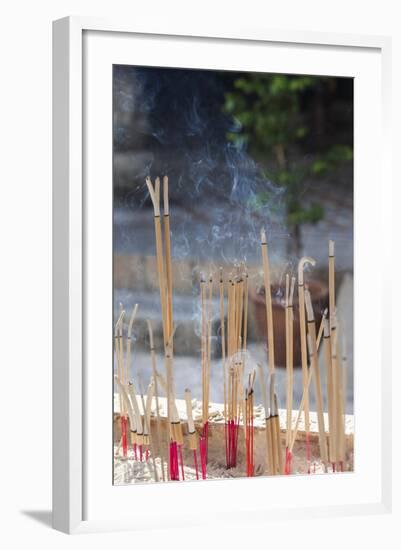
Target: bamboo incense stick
[(156, 392), (332, 289), (344, 373), (120, 375), (330, 394), (316, 377), (304, 355), (138, 417), (268, 299), (155, 197), (131, 413), (268, 429), (290, 366), (148, 438), (192, 435), (169, 276), (223, 358)]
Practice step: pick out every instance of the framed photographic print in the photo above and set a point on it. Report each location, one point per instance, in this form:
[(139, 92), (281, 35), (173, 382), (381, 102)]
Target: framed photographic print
[(217, 298)]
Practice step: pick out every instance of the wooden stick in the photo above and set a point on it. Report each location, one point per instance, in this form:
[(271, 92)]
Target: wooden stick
[(130, 410), (209, 338), (268, 427), (147, 414), (155, 196), (304, 355), (330, 393), (156, 391), (118, 355), (246, 299), (128, 345), (287, 356), (268, 300), (204, 350), (332, 286), (169, 276), (316, 377), (290, 361), (223, 341)]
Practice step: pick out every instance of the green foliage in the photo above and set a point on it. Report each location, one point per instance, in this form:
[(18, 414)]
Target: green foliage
[(268, 108)]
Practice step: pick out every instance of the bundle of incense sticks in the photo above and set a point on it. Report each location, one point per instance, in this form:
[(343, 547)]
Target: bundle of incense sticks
[(234, 343), (249, 425), (164, 269), (273, 435)]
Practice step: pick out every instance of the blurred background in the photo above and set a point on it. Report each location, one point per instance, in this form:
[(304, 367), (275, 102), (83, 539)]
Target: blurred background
[(242, 151)]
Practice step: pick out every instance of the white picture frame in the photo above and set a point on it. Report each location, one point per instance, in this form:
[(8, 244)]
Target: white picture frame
[(70, 258)]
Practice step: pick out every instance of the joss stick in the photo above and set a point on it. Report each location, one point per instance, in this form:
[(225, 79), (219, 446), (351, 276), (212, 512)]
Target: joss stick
[(344, 373), (120, 375), (268, 300), (289, 365), (148, 439), (169, 277), (131, 414), (165, 287), (304, 355), (155, 196), (246, 298), (316, 377), (203, 347), (276, 437), (223, 356), (209, 339), (268, 432), (330, 394), (156, 392), (128, 357), (306, 390), (287, 351), (332, 290), (249, 422), (338, 389), (138, 417), (192, 435)]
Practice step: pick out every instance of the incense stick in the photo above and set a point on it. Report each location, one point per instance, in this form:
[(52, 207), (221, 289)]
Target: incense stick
[(120, 375), (156, 392), (304, 356), (289, 366), (268, 300), (192, 436), (330, 394), (316, 377)]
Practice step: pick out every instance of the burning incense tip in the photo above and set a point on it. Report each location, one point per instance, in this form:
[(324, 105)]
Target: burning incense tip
[(331, 248), (263, 236)]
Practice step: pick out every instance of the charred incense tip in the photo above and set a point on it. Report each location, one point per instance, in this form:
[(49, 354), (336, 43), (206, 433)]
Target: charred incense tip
[(331, 249), (263, 236)]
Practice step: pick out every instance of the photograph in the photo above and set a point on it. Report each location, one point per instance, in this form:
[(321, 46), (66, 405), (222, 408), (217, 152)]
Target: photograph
[(233, 274)]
